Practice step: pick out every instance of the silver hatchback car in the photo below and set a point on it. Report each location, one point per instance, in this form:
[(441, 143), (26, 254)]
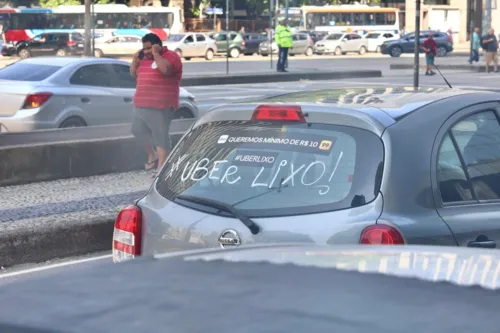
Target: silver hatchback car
[(59, 92), (329, 167)]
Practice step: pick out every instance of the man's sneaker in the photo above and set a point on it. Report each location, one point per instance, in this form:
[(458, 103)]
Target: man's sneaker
[(427, 73)]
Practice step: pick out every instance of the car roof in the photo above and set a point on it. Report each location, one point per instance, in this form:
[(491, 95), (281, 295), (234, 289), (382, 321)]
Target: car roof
[(397, 102), (64, 61)]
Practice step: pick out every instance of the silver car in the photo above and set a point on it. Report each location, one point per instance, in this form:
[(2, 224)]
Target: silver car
[(340, 44), (54, 92), (192, 45), (345, 166), (302, 44), (117, 46)]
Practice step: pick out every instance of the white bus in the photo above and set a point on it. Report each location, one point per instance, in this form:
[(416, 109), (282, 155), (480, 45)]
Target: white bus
[(25, 23)]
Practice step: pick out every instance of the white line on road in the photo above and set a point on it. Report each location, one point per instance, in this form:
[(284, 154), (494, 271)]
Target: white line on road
[(44, 268)]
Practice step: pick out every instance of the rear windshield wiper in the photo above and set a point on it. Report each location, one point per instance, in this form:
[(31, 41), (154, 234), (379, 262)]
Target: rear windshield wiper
[(254, 228)]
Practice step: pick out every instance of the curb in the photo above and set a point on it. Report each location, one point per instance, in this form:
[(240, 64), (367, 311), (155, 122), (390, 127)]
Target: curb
[(22, 246), (276, 77), (469, 68)]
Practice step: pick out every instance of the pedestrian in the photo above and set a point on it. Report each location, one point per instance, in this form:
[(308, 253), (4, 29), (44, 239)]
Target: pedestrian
[(474, 56), (490, 44), (158, 72), (403, 32), (430, 49), (242, 29), (283, 37), (2, 39)]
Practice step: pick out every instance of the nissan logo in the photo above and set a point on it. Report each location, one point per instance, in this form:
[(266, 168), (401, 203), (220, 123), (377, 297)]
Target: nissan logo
[(229, 238)]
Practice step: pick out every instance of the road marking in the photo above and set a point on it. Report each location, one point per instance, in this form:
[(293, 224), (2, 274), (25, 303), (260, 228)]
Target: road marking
[(44, 268)]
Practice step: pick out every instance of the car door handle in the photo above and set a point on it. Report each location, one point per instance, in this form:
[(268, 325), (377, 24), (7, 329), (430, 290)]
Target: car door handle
[(85, 100), (483, 242), (127, 99)]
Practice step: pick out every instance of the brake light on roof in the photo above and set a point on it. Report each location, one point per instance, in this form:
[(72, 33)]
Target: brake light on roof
[(381, 234), (127, 234), (34, 101), (279, 112), (71, 43)]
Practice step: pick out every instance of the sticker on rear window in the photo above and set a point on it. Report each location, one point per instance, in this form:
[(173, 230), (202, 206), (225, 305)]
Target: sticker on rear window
[(255, 158)]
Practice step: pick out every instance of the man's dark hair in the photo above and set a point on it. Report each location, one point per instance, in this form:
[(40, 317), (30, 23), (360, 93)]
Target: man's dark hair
[(152, 38)]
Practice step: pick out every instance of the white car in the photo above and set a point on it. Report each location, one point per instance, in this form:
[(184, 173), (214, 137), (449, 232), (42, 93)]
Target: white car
[(375, 39), (191, 45), (124, 45), (341, 43)]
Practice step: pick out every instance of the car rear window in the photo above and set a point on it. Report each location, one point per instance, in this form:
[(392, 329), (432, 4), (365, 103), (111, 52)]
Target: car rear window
[(19, 71), (76, 36), (267, 170)]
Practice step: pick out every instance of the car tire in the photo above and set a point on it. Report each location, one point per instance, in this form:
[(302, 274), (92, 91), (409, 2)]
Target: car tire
[(362, 50), (187, 58), (209, 55), (378, 49), (309, 51), (179, 53), (338, 51), (264, 54), (61, 53), (234, 52), (396, 52), (442, 51), (98, 53), (24, 53), (183, 113), (73, 122)]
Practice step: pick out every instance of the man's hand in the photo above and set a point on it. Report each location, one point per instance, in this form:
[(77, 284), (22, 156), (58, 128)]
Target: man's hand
[(135, 59), (157, 49)]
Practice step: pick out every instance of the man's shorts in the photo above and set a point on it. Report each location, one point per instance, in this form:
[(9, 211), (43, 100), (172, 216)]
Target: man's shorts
[(151, 126), (429, 60), (491, 56)]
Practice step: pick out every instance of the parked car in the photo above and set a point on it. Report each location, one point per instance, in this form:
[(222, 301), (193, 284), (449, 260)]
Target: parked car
[(406, 44), (335, 166), (375, 39), (192, 45), (8, 50), (117, 46), (302, 44), (53, 92), (236, 43), (252, 42), (54, 43), (342, 43), (316, 35)]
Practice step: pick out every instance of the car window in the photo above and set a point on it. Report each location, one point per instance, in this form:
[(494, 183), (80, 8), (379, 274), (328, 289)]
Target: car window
[(303, 37), (271, 170), (295, 37), (189, 39), (388, 35), (19, 71), (221, 37), (353, 36), (123, 79), (372, 36), (175, 38), (334, 37), (200, 38), (92, 75), (76, 36), (132, 39), (478, 141)]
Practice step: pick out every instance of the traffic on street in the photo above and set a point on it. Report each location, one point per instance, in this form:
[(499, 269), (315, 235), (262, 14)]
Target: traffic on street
[(198, 149)]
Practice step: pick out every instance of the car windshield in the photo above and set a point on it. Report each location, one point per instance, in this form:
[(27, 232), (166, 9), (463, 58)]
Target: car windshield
[(175, 38), (20, 71), (271, 170), (334, 36)]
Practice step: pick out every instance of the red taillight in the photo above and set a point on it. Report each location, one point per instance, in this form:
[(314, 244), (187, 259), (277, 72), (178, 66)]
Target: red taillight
[(70, 43), (381, 234), (243, 43), (450, 39), (127, 234), (279, 113), (34, 101)]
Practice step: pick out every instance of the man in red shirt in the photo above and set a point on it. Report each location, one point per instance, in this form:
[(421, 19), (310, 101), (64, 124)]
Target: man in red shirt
[(430, 49), (158, 72)]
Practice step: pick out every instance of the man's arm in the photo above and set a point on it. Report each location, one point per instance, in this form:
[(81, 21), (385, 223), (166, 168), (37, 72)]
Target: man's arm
[(164, 66)]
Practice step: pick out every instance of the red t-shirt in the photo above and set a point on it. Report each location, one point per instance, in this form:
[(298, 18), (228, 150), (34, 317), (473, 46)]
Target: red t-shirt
[(155, 90), (431, 46)]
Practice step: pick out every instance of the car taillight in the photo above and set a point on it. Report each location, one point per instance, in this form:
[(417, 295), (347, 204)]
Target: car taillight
[(450, 39), (279, 113), (243, 43), (70, 43), (34, 101), (381, 234), (127, 234)]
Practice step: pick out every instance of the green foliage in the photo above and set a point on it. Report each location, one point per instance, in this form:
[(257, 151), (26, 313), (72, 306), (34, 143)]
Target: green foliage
[(56, 3)]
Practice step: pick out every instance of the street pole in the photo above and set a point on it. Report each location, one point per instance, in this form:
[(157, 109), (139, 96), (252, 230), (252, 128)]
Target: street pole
[(227, 37), (87, 18), (487, 17), (286, 9), (215, 19), (417, 45), (270, 32), (471, 24), (93, 28)]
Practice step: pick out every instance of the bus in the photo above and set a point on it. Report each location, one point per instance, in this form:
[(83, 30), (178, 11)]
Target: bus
[(343, 18), (109, 20)]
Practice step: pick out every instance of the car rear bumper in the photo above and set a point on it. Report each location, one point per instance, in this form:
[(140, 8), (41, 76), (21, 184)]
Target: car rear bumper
[(25, 121)]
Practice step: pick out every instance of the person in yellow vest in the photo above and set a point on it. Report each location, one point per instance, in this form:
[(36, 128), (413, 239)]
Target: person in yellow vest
[(283, 37)]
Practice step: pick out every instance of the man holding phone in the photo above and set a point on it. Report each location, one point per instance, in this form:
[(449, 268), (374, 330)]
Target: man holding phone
[(158, 72)]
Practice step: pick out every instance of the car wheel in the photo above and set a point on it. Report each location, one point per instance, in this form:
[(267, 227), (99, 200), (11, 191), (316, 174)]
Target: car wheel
[(378, 49), (183, 113), (179, 52), (264, 54), (396, 52), (362, 50), (309, 51), (24, 53), (338, 51), (99, 53), (234, 52), (73, 122), (188, 58), (61, 53), (441, 51), (209, 55)]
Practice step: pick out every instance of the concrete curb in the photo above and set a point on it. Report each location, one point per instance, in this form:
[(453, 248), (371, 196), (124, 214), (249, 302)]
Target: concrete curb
[(468, 68), (276, 77), (33, 245)]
